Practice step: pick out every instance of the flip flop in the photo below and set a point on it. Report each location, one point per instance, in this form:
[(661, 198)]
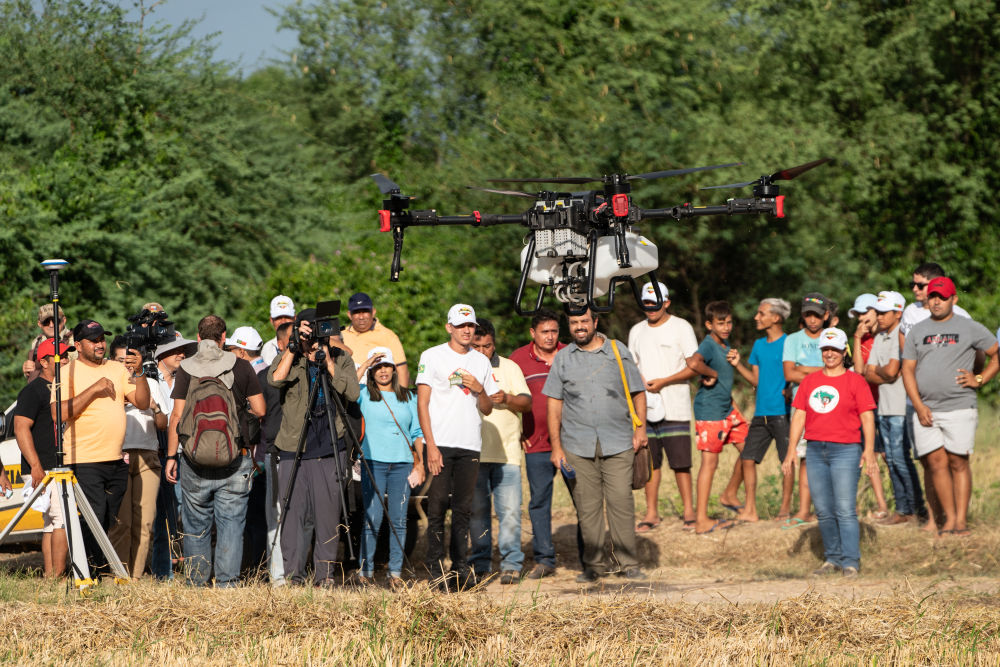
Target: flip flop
[(794, 522), (721, 525), (689, 524), (734, 508), (782, 517), (648, 524)]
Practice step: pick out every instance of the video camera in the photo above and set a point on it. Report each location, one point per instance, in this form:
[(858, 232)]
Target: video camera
[(148, 330), (324, 324)]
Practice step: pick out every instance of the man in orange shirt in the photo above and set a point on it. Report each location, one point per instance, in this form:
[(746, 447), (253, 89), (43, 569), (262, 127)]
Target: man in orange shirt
[(94, 391), (366, 333)]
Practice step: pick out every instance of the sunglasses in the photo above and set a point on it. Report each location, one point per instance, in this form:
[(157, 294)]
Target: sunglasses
[(914, 283), (47, 322)]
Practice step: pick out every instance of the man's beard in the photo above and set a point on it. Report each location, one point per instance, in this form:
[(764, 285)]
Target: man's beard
[(585, 341)]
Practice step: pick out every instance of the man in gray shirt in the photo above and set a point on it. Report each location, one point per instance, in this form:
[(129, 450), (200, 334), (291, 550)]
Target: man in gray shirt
[(882, 370), (591, 432), (937, 360)]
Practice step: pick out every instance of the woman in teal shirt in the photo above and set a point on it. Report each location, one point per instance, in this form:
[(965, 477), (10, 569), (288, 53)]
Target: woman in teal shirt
[(392, 445)]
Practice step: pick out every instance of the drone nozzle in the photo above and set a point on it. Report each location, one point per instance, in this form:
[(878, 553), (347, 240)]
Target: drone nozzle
[(619, 204), (779, 206), (384, 218)]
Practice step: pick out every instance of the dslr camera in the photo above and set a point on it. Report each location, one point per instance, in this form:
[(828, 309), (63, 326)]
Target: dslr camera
[(324, 324), (146, 331)]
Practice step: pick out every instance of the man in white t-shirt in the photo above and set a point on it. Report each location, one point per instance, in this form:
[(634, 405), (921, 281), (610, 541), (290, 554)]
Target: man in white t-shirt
[(661, 347), (454, 385)]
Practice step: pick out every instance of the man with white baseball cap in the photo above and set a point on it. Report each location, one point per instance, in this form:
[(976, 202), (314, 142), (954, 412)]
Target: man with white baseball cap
[(282, 311), (661, 346), (246, 344), (454, 386), (882, 369)]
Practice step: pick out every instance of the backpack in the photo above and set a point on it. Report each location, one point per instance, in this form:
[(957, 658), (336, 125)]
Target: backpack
[(209, 428)]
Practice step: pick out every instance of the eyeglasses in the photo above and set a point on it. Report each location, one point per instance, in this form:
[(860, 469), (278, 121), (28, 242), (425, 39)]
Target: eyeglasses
[(914, 283)]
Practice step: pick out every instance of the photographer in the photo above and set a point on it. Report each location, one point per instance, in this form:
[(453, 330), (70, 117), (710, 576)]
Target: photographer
[(314, 506)]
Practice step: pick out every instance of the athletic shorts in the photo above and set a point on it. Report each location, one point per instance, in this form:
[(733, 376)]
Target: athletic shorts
[(52, 518), (954, 430), (713, 435), (673, 438), (763, 430)]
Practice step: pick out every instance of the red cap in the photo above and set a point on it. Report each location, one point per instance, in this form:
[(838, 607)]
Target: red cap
[(47, 349), (941, 286)]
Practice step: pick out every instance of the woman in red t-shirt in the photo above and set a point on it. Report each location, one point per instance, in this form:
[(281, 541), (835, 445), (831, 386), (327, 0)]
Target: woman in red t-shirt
[(834, 406)]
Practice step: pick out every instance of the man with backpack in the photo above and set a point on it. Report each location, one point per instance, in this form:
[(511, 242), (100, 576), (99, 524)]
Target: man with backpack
[(211, 390)]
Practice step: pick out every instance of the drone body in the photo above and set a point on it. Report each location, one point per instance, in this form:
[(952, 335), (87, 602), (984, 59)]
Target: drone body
[(581, 245)]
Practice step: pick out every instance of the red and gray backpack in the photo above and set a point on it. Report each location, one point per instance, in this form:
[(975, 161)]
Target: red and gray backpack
[(209, 428)]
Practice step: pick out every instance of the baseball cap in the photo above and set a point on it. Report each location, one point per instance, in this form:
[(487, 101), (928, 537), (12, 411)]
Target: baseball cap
[(942, 286), (359, 301), (460, 314), (862, 304), (833, 337), (152, 307), (888, 301), (47, 349), (88, 330), (46, 311), (648, 294), (246, 338), (180, 344), (386, 358), (815, 303), (282, 306)]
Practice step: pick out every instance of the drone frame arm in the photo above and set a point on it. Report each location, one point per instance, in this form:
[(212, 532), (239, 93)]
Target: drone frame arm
[(748, 206)]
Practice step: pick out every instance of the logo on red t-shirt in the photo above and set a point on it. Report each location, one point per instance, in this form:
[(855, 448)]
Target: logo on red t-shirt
[(824, 399)]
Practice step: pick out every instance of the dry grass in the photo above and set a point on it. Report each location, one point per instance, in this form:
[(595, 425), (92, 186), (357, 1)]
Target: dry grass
[(145, 623)]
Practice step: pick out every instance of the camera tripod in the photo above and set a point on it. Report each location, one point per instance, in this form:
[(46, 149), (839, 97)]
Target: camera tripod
[(73, 504), (353, 442)]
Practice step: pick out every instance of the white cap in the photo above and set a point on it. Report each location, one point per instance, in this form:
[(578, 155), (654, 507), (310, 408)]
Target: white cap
[(460, 314), (648, 294), (862, 304), (282, 306), (889, 300), (386, 356), (833, 337), (246, 338)]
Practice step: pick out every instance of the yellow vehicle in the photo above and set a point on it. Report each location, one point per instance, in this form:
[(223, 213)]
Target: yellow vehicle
[(29, 529)]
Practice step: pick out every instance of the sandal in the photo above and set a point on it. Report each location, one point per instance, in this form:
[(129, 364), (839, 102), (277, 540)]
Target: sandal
[(646, 526)]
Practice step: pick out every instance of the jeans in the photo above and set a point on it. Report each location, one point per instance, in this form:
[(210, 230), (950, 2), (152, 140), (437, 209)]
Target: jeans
[(902, 471), (390, 480), (502, 483), (211, 495), (457, 479), (164, 527), (104, 485), (541, 473), (834, 471)]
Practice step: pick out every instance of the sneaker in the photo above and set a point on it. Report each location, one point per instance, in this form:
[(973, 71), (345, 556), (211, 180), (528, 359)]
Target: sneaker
[(540, 571), (826, 568), (633, 573), (850, 571), (508, 577), (588, 576)]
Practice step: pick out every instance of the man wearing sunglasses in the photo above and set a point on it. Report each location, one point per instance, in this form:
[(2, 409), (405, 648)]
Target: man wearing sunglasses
[(917, 311), (45, 323)]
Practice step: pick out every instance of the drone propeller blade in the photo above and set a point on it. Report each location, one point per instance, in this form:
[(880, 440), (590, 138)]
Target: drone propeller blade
[(728, 185), (565, 179), (677, 172), (513, 193), (789, 174), (385, 184)]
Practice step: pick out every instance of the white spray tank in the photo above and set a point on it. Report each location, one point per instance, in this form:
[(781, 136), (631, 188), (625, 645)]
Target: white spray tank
[(642, 254)]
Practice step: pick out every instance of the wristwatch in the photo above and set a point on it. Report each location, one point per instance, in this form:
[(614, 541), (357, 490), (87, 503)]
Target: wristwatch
[(171, 457), (979, 380)]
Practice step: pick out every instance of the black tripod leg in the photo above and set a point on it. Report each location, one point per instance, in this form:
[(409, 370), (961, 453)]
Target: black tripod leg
[(354, 441), (341, 478)]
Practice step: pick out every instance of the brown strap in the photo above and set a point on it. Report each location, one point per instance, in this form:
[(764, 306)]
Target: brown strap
[(416, 454)]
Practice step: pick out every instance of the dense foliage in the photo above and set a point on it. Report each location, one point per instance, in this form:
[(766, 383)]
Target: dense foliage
[(161, 174)]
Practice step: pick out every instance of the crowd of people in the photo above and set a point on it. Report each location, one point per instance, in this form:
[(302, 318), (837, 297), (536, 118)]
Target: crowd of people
[(287, 458)]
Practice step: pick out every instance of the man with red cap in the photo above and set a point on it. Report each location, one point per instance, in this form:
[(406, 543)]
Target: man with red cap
[(938, 374)]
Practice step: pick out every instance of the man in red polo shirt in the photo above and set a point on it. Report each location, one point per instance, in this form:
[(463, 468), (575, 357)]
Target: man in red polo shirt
[(535, 360)]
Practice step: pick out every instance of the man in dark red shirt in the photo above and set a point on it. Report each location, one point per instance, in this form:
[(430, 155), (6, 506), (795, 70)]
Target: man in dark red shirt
[(535, 360)]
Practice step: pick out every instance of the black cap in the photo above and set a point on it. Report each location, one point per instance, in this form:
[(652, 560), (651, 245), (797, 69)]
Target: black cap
[(88, 330), (815, 303), (359, 301)]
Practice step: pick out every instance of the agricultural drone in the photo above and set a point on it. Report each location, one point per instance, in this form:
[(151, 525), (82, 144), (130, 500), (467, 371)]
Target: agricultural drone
[(583, 244)]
